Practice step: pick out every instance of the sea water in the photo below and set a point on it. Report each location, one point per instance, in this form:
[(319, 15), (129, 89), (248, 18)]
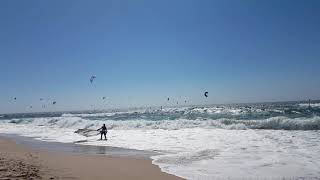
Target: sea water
[(240, 141)]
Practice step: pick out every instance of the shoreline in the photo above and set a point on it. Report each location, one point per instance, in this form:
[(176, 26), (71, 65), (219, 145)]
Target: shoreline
[(76, 148), (20, 161)]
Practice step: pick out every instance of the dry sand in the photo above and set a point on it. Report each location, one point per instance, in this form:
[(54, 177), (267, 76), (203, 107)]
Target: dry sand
[(18, 162)]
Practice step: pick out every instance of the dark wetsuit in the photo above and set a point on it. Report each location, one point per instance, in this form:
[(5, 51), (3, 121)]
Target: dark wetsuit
[(103, 132)]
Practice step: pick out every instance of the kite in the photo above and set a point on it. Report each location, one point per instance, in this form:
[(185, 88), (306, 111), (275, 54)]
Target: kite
[(92, 78)]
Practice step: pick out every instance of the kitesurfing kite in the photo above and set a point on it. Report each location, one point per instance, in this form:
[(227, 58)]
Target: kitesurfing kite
[(92, 78), (206, 94)]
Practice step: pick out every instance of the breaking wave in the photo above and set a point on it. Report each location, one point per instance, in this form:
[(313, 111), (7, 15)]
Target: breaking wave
[(294, 116), (314, 105), (275, 123)]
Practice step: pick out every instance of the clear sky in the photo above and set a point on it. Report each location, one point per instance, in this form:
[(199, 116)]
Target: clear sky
[(145, 51)]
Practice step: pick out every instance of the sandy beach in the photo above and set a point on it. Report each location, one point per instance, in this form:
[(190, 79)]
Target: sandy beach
[(19, 162)]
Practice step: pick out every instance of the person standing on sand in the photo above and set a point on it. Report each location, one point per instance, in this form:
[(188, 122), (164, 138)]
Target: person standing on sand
[(103, 131)]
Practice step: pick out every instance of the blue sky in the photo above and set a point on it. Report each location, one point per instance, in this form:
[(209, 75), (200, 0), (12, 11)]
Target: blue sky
[(145, 51)]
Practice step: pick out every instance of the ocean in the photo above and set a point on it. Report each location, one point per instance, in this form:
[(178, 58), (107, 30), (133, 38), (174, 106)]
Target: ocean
[(239, 141)]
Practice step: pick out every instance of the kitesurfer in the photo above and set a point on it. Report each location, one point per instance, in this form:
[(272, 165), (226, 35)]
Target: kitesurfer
[(103, 131)]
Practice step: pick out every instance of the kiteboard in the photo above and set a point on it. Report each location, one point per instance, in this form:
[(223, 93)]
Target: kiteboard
[(87, 132)]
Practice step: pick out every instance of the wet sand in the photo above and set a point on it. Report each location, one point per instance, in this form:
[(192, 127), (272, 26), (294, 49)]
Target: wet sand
[(21, 162)]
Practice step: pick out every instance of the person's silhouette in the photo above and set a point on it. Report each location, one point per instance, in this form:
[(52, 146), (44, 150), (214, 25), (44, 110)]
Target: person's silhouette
[(103, 131)]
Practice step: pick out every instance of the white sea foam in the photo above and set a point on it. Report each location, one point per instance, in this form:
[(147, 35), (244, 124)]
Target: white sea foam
[(91, 115), (314, 105)]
